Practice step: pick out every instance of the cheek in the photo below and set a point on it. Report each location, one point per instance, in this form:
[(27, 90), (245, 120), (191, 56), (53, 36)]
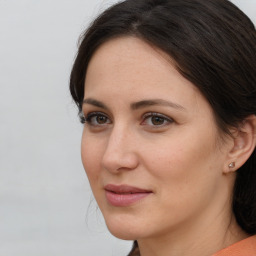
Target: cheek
[(91, 153), (184, 163)]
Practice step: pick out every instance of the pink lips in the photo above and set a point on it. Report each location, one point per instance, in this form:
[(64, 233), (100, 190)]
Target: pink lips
[(124, 195)]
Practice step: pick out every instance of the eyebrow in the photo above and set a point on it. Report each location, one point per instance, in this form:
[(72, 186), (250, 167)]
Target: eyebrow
[(95, 103), (155, 102), (137, 105)]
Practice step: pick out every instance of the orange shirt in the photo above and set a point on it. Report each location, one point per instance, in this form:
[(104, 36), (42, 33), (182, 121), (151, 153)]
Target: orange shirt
[(246, 247)]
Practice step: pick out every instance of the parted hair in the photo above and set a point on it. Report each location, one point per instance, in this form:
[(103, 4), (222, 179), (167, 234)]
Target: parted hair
[(213, 45)]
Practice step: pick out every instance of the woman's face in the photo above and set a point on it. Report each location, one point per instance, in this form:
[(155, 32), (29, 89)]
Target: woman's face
[(150, 145)]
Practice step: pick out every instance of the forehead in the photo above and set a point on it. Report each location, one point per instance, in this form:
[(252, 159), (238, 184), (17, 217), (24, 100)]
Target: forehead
[(128, 68), (129, 58)]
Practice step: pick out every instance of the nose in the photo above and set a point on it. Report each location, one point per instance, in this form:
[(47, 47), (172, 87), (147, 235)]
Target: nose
[(120, 152)]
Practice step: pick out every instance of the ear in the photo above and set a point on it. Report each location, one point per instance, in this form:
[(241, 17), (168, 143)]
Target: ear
[(243, 144)]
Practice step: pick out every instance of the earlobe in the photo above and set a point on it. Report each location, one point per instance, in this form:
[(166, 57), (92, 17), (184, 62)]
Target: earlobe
[(244, 142)]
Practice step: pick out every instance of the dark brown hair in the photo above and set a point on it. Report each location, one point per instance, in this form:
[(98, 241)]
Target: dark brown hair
[(213, 44)]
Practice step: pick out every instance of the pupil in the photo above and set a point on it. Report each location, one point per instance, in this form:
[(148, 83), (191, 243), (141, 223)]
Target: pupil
[(156, 120), (101, 119)]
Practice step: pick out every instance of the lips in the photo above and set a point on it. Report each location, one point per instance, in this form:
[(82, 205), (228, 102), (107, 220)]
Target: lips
[(124, 195)]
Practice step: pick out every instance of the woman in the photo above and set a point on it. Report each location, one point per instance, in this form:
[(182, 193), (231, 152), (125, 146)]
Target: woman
[(166, 90)]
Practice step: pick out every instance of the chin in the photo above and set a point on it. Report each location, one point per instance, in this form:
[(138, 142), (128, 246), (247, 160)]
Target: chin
[(124, 230), (123, 234)]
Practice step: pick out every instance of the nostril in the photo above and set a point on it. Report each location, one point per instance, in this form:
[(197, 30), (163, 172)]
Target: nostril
[(124, 161), (120, 152)]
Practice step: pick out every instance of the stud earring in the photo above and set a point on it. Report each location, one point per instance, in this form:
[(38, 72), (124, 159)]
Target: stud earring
[(232, 165)]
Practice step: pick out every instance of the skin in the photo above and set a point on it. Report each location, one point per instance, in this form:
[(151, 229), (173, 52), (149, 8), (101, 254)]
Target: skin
[(179, 157)]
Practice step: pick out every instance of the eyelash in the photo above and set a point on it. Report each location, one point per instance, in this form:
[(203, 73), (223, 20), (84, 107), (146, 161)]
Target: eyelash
[(88, 119), (165, 119)]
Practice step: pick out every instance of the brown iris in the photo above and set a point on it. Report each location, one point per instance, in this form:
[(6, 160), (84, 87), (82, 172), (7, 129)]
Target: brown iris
[(101, 119), (156, 120)]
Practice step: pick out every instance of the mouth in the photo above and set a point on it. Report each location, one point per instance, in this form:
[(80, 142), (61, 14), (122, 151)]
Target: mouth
[(124, 195)]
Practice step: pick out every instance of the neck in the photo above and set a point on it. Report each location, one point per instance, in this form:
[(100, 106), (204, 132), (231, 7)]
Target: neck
[(203, 238)]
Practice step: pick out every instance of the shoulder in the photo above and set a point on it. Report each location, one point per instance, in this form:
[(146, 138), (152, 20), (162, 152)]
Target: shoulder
[(246, 247)]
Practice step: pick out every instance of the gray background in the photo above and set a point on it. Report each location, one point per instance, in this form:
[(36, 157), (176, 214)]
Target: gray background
[(46, 207)]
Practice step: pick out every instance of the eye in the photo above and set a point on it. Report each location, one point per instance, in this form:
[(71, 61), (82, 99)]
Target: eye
[(156, 120), (96, 119)]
